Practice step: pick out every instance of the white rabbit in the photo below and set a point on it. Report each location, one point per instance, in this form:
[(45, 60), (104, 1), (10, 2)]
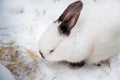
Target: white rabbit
[(5, 73), (94, 38)]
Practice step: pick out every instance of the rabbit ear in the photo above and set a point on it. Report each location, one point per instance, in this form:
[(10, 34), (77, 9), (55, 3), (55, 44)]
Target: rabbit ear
[(69, 17)]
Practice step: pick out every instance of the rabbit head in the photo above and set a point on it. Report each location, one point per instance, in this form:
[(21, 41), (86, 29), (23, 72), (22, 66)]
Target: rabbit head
[(59, 31)]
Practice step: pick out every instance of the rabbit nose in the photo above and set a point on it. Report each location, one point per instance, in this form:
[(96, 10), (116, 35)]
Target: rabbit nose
[(41, 55)]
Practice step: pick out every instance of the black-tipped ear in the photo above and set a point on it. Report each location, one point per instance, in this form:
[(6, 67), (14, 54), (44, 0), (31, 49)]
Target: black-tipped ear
[(69, 17)]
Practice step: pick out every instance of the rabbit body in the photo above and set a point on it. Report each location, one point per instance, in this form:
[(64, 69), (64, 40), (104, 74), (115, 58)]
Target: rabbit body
[(94, 38)]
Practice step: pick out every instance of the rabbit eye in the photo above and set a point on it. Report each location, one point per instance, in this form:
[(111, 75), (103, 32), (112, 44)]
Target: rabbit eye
[(52, 50)]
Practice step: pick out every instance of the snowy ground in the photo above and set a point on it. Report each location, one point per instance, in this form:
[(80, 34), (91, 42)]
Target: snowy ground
[(21, 25)]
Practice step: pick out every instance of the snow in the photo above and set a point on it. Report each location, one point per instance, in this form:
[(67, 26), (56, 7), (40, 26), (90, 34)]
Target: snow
[(23, 21), (5, 72)]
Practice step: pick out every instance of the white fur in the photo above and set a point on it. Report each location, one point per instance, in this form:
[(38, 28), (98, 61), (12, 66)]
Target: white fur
[(95, 37)]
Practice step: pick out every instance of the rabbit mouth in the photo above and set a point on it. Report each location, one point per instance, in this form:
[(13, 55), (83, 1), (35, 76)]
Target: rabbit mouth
[(41, 55)]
